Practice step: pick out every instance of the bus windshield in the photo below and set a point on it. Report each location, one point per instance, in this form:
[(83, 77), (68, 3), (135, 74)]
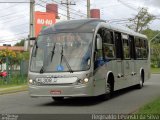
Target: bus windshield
[(62, 52)]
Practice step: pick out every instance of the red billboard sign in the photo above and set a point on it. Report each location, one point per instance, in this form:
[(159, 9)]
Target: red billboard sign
[(43, 19)]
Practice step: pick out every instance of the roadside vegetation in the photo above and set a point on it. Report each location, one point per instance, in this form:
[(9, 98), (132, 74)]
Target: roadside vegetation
[(13, 81), (13, 68), (151, 108), (155, 70)]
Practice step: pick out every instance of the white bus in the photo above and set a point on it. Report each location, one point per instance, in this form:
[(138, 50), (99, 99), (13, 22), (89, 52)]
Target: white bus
[(87, 57)]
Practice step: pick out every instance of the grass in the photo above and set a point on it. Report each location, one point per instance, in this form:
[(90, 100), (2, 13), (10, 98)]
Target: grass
[(13, 89), (13, 80), (155, 70), (13, 84), (151, 108)]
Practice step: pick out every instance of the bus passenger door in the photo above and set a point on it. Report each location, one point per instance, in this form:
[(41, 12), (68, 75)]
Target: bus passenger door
[(127, 59), (133, 58), (120, 82)]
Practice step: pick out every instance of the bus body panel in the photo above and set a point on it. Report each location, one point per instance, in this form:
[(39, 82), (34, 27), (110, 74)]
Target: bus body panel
[(71, 89), (126, 73)]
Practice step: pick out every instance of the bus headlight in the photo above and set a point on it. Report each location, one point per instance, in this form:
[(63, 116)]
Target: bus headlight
[(83, 81), (86, 80), (30, 81)]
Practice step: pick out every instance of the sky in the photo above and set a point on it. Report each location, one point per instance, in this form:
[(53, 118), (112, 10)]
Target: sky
[(14, 17)]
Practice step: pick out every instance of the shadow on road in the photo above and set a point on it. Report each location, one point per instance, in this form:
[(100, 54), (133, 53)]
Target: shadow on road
[(88, 101)]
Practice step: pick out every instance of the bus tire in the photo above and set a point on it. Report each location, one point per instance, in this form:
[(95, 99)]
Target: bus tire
[(110, 87), (141, 81), (57, 98)]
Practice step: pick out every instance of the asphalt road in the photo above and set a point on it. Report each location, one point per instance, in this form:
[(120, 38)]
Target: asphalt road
[(124, 101)]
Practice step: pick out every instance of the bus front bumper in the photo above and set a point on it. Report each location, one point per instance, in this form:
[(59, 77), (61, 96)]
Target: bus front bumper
[(60, 91)]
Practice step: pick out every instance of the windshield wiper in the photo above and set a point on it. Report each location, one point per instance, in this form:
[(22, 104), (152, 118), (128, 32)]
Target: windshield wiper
[(42, 69), (53, 51), (63, 57)]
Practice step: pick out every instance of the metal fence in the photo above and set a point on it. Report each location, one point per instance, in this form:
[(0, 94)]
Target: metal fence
[(16, 72)]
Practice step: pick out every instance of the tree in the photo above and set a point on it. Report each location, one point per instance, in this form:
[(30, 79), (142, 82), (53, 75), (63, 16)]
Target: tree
[(141, 21), (21, 43), (151, 34), (155, 48)]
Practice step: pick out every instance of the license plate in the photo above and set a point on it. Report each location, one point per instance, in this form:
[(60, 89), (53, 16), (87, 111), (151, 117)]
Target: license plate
[(55, 92), (46, 80)]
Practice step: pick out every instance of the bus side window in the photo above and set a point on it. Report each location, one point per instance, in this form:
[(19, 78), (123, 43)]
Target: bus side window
[(108, 45), (126, 48), (141, 48), (118, 43), (138, 48), (145, 49), (132, 47)]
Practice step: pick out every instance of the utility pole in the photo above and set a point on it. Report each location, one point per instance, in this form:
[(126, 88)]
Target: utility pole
[(67, 3), (32, 22), (88, 8)]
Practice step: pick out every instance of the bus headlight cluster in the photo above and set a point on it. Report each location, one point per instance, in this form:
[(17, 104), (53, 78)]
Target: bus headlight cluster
[(83, 81), (30, 81)]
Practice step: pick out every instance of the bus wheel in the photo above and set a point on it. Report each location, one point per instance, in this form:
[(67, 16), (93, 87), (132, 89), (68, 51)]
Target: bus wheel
[(109, 91), (57, 98), (141, 81)]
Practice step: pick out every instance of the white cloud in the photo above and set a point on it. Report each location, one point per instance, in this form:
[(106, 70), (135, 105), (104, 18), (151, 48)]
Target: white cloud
[(154, 3), (18, 22), (14, 19)]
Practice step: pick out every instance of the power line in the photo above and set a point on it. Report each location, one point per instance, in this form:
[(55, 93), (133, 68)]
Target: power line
[(16, 34), (127, 5), (12, 14), (12, 20), (19, 25), (154, 37), (118, 20), (59, 13), (9, 7), (9, 39), (14, 2), (80, 3), (67, 3), (70, 8), (62, 8)]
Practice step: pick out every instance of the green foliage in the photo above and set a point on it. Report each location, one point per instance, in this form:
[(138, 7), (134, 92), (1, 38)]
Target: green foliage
[(155, 46), (14, 57), (21, 43), (141, 21), (155, 70), (151, 34), (15, 80), (155, 55), (22, 56), (151, 108)]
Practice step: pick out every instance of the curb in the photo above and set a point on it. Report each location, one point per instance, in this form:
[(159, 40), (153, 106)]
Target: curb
[(13, 89)]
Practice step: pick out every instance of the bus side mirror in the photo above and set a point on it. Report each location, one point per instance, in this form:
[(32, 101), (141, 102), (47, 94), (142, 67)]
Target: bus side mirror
[(98, 42), (32, 38), (32, 41)]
